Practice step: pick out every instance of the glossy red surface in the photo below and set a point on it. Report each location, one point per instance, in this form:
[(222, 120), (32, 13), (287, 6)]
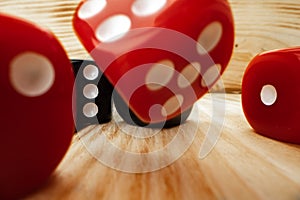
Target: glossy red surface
[(36, 83), (274, 114), (170, 34)]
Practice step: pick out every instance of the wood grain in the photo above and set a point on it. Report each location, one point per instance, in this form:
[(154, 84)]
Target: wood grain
[(54, 15), (242, 165), (260, 26)]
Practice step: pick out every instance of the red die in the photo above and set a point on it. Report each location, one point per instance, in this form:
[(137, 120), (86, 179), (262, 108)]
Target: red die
[(36, 84), (271, 94), (155, 52)]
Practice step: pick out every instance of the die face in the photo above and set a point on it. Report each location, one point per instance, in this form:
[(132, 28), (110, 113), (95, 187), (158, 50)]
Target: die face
[(158, 58), (270, 95), (36, 81), (93, 93)]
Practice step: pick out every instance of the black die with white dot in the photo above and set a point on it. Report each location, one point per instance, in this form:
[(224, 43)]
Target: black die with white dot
[(93, 94), (271, 94), (161, 56)]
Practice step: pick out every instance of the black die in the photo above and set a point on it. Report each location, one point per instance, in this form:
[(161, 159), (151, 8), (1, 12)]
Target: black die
[(93, 94)]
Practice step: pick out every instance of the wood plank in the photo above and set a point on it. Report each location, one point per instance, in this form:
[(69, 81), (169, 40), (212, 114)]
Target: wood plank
[(242, 164), (260, 26)]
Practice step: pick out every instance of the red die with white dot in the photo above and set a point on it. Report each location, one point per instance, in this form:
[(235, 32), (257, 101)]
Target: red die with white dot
[(160, 55), (36, 84), (271, 94)]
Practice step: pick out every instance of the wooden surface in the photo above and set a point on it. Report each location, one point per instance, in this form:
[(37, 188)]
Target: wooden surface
[(242, 165), (260, 25)]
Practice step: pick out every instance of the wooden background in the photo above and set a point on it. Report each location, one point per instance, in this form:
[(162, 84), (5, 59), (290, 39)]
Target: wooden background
[(243, 165)]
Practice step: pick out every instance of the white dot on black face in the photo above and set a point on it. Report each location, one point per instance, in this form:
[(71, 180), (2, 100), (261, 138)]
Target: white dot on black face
[(91, 72), (90, 110), (268, 95), (31, 74), (145, 8), (90, 91), (113, 28)]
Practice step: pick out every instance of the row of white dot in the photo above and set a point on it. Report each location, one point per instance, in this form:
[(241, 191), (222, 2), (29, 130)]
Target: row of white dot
[(162, 72), (90, 91)]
